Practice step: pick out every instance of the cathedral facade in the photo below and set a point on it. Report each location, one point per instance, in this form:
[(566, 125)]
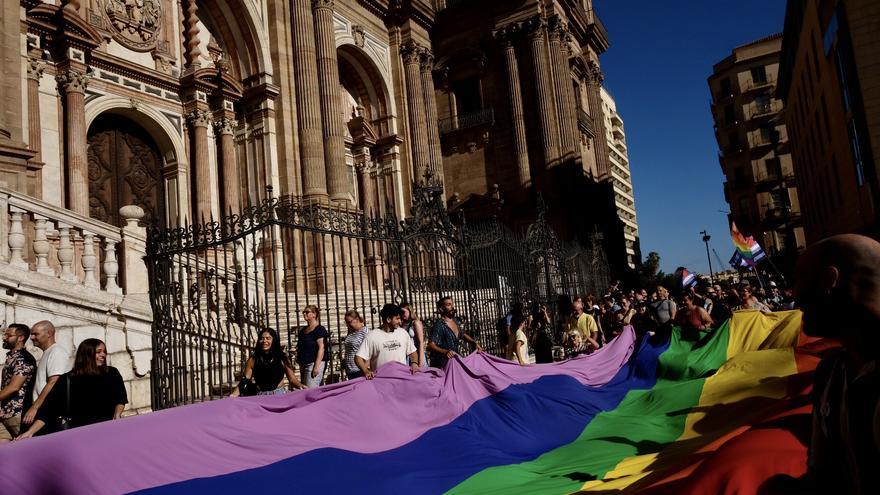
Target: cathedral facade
[(123, 114)]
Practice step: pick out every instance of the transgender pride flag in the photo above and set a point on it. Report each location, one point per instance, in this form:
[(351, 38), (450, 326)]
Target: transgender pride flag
[(748, 251)]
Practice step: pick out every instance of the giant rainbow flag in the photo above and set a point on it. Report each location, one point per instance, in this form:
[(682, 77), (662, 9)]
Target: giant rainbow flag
[(702, 413)]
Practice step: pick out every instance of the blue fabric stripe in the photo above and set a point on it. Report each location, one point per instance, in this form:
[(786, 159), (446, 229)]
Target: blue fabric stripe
[(516, 425)]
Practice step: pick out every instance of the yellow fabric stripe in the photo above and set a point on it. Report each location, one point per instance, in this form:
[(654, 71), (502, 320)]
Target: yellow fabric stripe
[(760, 360)]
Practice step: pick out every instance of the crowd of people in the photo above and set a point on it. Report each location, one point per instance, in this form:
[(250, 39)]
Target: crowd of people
[(837, 287), (55, 393), (583, 324)]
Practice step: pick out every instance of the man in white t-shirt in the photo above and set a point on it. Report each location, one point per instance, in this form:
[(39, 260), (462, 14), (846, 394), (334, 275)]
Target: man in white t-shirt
[(54, 363), (386, 344)]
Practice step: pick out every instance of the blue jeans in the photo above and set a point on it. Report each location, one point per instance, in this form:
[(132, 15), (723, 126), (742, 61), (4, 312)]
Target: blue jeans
[(306, 374)]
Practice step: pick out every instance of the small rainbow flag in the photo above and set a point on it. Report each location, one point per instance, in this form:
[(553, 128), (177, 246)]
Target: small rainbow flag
[(688, 279), (748, 251), (721, 412)]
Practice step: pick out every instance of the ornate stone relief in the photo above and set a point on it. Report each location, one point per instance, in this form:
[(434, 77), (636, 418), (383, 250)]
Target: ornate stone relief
[(135, 23)]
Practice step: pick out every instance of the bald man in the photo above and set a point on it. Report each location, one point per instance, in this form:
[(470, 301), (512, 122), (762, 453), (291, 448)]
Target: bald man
[(54, 363), (837, 286)]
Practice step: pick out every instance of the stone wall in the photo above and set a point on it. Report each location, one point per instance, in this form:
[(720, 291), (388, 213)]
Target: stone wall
[(78, 313)]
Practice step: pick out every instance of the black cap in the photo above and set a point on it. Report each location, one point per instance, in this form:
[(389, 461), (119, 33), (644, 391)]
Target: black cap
[(390, 310)]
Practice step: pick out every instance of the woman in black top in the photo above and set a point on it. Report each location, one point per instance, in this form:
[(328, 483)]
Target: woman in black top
[(96, 392), (542, 334), (312, 349), (268, 366)]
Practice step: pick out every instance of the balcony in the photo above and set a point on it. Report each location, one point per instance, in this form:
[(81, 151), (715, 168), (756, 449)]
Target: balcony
[(585, 123), (730, 150), (756, 84), (765, 110), (780, 216), (722, 97), (483, 117), (617, 132), (616, 120)]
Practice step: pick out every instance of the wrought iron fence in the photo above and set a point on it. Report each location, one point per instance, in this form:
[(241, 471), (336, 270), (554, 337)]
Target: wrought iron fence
[(215, 286)]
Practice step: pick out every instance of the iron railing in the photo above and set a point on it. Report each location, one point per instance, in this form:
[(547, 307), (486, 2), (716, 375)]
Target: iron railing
[(485, 116), (585, 123), (215, 286)]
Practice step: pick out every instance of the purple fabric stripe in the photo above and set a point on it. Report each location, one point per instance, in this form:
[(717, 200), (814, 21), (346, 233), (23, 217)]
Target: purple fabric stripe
[(230, 435)]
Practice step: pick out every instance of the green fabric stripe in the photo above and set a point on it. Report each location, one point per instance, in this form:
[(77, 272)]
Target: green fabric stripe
[(644, 421)]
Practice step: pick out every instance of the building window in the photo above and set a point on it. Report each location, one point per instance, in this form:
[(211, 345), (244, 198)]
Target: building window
[(745, 210), (739, 176), (733, 141), (855, 145), (729, 115), (468, 97), (830, 34), (759, 75), (772, 168), (779, 199), (766, 133), (725, 87), (762, 103)]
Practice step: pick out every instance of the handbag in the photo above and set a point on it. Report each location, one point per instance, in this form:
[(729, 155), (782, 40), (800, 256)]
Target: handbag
[(247, 387), (64, 422)]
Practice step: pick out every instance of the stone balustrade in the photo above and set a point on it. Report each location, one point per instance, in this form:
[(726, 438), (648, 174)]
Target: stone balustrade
[(36, 236)]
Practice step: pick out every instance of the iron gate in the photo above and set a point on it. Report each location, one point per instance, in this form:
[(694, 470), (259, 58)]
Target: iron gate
[(215, 286)]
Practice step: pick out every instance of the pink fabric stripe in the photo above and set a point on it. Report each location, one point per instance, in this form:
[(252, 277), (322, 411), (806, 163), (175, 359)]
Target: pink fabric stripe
[(230, 435)]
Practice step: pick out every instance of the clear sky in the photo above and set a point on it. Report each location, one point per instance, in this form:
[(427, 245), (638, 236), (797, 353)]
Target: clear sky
[(656, 68)]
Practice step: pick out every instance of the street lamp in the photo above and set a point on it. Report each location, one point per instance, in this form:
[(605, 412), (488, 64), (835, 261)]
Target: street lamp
[(706, 238)]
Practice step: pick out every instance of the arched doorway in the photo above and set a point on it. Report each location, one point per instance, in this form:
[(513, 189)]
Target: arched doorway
[(125, 168)]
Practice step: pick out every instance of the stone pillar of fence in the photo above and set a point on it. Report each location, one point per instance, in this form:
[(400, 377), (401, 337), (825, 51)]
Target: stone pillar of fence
[(133, 250)]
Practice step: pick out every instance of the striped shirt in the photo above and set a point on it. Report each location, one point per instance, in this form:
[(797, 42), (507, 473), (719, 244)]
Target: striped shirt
[(353, 342)]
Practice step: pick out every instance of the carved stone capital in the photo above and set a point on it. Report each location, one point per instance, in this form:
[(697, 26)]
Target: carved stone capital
[(594, 73), (322, 4), (427, 60), (411, 52), (35, 68), (72, 81), (557, 29), (198, 118), (506, 35), (225, 126), (535, 27)]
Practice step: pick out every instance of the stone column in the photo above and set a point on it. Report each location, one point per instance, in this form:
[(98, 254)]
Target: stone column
[(10, 77), (191, 50), (536, 28), (198, 121), (338, 178), (35, 69), (594, 97), (505, 36), (564, 91), (225, 128), (434, 151), (72, 84), (308, 102), (417, 125)]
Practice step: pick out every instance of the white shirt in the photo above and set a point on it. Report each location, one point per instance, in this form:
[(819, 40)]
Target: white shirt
[(55, 361), (520, 337), (380, 347)]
